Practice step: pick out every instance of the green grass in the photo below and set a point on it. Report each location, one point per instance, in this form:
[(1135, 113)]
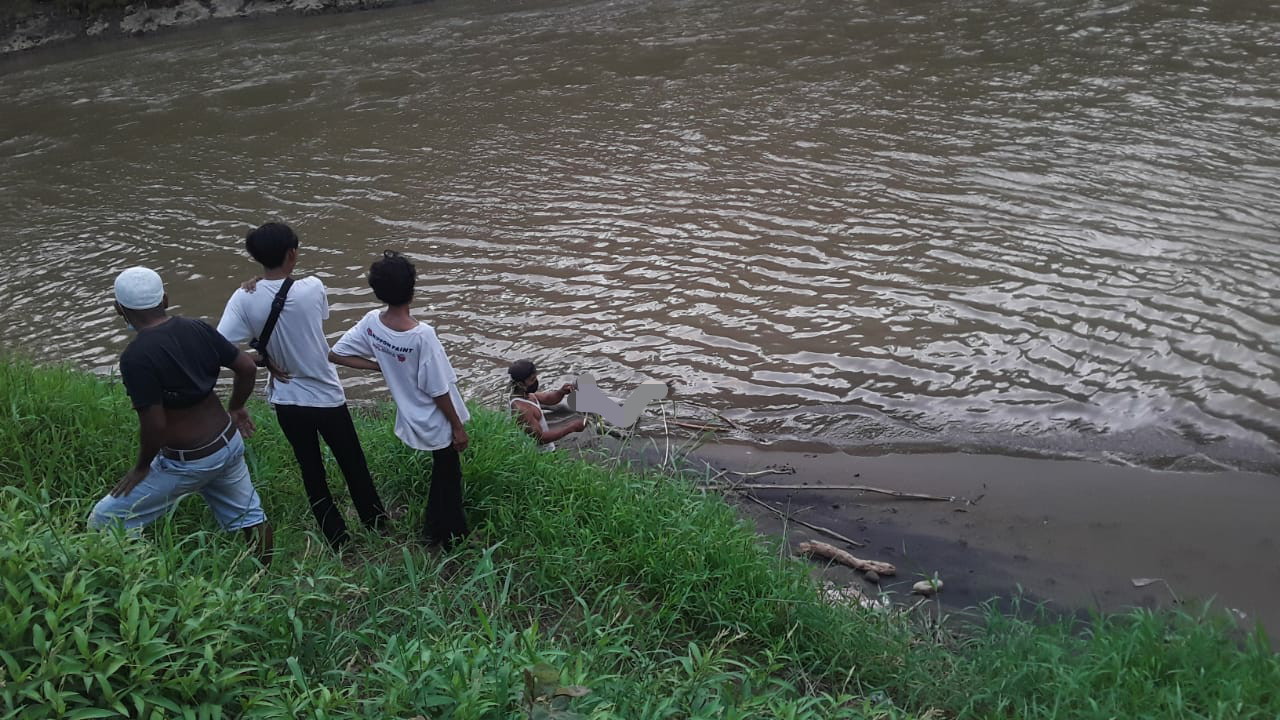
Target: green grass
[(660, 601), (20, 8)]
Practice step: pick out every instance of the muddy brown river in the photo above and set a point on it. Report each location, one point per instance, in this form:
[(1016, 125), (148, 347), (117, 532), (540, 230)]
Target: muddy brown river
[(1033, 227)]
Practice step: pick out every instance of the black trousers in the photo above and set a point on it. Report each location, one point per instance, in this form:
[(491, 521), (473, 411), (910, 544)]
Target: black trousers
[(446, 521), (304, 427)]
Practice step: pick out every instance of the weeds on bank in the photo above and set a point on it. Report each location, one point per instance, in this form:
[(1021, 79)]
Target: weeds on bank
[(15, 10), (1139, 664), (659, 602)]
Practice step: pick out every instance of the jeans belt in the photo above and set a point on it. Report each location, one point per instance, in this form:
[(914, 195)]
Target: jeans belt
[(204, 451)]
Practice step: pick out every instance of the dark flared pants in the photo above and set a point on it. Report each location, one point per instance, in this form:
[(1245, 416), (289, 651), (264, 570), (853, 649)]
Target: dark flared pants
[(304, 427), (446, 521)]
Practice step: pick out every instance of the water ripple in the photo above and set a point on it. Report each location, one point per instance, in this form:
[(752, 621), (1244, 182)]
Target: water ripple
[(1041, 226)]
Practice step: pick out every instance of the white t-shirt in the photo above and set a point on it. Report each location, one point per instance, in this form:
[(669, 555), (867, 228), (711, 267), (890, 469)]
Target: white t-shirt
[(297, 346), (417, 370)]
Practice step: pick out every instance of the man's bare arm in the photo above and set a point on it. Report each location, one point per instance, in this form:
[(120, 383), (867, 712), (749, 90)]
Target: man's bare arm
[(460, 439), (529, 417), (559, 430), (152, 426), (353, 361), (246, 373), (551, 397)]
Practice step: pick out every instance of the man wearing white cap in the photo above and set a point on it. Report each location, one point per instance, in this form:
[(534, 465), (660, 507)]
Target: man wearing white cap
[(189, 444)]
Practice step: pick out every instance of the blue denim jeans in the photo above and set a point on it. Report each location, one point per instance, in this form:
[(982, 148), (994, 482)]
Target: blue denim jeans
[(222, 479)]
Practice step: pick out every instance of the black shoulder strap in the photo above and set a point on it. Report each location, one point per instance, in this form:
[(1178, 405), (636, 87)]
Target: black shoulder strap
[(277, 305)]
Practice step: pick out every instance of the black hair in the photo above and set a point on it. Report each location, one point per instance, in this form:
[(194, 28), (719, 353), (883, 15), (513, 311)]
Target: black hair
[(521, 370), (392, 278), (270, 243)]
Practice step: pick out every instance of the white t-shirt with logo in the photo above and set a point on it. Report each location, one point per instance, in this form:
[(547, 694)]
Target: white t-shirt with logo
[(297, 345), (417, 370)]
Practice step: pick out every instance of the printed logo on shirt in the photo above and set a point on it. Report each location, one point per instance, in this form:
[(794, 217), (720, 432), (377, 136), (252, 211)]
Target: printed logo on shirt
[(388, 348)]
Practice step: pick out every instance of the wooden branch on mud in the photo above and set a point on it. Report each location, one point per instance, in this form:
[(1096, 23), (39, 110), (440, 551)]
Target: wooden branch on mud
[(700, 426), (816, 528), (784, 470), (862, 488), (831, 552), (733, 425), (726, 420)]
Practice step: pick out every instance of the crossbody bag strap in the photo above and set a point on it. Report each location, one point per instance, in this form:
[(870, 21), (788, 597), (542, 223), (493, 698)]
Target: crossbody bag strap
[(277, 305)]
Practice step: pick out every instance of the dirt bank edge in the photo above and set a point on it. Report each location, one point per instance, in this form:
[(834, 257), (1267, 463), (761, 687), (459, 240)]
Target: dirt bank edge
[(1075, 534), (46, 25)]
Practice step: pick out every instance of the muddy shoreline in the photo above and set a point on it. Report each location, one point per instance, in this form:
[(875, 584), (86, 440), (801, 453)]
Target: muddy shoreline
[(46, 26), (1072, 534)]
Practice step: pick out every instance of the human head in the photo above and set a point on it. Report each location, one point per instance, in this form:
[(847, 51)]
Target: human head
[(524, 376), (391, 278), (273, 245), (139, 293)]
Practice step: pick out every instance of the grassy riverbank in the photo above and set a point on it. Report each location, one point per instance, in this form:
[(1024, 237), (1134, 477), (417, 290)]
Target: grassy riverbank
[(72, 8), (658, 600), (27, 24)]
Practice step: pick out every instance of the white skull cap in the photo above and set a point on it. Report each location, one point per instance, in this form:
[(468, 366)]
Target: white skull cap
[(139, 288)]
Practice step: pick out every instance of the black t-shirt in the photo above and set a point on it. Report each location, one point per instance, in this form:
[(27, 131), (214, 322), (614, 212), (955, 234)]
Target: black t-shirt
[(175, 363)]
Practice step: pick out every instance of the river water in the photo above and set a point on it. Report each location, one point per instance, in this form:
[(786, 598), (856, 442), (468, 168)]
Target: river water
[(1048, 227)]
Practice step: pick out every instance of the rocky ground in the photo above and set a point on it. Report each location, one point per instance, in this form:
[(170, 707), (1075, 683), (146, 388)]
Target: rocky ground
[(46, 26)]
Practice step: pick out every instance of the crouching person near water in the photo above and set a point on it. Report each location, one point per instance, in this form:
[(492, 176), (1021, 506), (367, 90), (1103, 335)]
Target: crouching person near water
[(309, 401), (527, 404), (188, 443), (430, 412)]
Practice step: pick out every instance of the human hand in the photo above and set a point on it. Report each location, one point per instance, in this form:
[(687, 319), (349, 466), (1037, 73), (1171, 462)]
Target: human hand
[(460, 439), (243, 422), (277, 374), (580, 423), (251, 284), (129, 481)]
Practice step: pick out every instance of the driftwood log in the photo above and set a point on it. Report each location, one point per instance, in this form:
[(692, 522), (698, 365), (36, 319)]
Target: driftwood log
[(858, 488), (704, 427), (831, 552)]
